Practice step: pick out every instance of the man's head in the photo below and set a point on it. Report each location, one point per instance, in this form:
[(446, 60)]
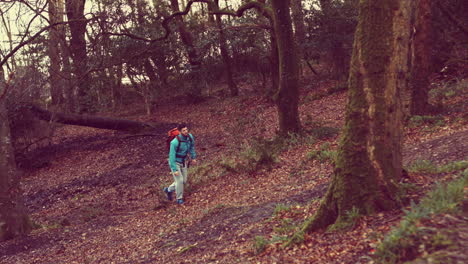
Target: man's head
[(183, 128)]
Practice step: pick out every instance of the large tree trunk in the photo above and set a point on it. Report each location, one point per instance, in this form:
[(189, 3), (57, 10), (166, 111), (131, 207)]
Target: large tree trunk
[(75, 13), (422, 58), (369, 162), (14, 220), (192, 53), (288, 92), (89, 121)]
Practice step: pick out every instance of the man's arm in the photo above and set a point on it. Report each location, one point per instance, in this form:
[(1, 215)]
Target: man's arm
[(172, 155), (193, 154)]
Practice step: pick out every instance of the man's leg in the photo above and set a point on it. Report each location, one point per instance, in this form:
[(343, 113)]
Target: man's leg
[(178, 184), (184, 171)]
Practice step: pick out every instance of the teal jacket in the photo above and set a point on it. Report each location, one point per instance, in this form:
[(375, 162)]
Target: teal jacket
[(186, 146)]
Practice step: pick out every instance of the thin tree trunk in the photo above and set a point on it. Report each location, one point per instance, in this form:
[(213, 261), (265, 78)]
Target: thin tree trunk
[(288, 92), (422, 58), (234, 90), (299, 28), (75, 11), (54, 55), (369, 163), (153, 86), (67, 83)]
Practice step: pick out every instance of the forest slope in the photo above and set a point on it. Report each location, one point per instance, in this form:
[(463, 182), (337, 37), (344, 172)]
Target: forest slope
[(98, 198)]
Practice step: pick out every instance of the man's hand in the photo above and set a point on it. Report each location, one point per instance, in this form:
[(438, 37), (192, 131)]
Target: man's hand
[(176, 173), (194, 161)]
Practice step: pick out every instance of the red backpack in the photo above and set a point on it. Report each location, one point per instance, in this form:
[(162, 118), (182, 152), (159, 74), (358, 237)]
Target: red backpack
[(171, 134)]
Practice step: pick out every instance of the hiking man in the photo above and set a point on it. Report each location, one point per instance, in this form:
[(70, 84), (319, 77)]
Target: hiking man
[(180, 148)]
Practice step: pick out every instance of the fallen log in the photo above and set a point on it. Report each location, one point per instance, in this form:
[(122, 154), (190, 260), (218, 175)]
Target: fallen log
[(88, 120)]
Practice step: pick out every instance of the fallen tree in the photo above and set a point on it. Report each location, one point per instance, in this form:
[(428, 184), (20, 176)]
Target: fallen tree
[(88, 120)]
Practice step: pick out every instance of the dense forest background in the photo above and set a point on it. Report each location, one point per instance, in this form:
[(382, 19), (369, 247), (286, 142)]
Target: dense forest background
[(346, 83)]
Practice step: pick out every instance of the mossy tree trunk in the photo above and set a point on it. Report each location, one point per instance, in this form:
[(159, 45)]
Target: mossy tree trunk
[(288, 91), (422, 58), (369, 162), (14, 220)]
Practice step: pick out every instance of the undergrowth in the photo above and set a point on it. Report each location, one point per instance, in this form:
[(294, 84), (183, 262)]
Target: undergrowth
[(431, 121), (405, 241), (323, 154), (440, 95), (427, 166), (262, 153)]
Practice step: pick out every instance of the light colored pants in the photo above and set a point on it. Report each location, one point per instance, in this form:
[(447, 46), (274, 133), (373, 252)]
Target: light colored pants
[(179, 181)]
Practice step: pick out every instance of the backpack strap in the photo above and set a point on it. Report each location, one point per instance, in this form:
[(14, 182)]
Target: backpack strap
[(178, 146)]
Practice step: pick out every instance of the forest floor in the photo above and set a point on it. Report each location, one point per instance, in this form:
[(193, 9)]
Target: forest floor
[(97, 198)]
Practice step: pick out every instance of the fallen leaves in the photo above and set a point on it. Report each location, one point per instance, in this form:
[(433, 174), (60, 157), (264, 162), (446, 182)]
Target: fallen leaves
[(108, 189)]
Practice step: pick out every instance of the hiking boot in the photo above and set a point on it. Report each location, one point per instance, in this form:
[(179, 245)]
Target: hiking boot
[(180, 201), (168, 193)]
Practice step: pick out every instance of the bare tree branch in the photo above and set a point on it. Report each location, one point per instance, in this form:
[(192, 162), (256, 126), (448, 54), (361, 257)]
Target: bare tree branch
[(37, 12), (247, 26), (36, 35), (260, 6)]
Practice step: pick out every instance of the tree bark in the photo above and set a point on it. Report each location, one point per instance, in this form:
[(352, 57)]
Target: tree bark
[(14, 220), (422, 58), (75, 12), (369, 162), (288, 91)]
